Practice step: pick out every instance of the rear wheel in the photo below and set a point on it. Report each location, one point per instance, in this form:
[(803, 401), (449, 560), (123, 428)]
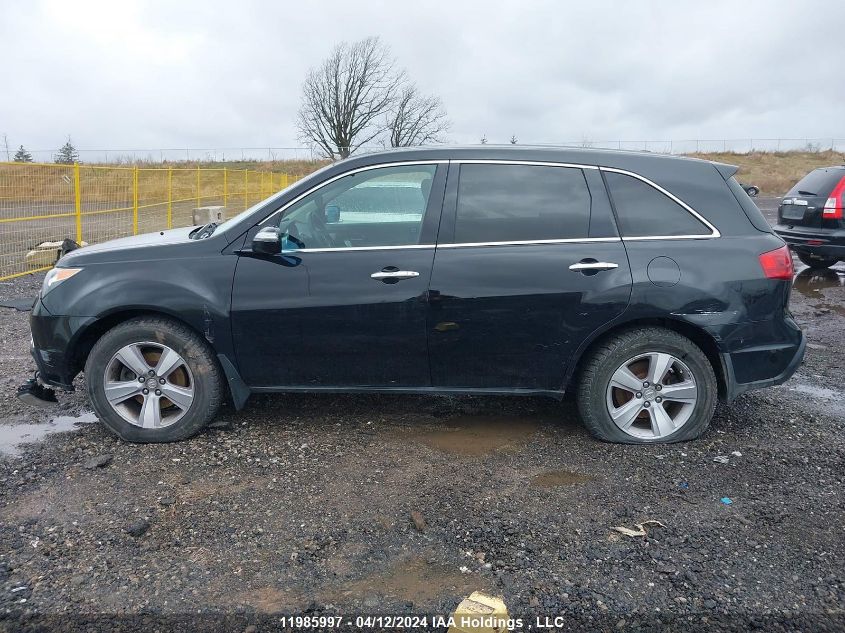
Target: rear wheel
[(152, 379), (649, 385), (814, 261)]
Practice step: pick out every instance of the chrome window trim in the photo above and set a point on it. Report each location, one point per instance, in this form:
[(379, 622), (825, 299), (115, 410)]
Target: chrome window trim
[(404, 163), (461, 245), (714, 232), (574, 240), (344, 249), (504, 161)]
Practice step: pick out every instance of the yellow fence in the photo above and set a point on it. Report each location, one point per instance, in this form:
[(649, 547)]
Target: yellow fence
[(47, 203)]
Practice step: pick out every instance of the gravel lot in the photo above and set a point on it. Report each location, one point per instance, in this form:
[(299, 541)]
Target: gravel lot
[(305, 503)]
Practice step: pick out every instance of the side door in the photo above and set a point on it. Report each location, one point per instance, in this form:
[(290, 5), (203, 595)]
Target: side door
[(343, 303), (528, 264)]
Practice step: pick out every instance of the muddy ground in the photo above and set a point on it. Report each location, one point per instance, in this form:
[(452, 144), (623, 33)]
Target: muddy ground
[(304, 503)]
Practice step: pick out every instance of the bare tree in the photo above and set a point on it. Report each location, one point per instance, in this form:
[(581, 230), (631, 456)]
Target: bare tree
[(416, 119), (484, 140), (514, 140), (345, 99)]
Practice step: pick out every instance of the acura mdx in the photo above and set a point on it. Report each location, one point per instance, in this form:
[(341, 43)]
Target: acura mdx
[(646, 286)]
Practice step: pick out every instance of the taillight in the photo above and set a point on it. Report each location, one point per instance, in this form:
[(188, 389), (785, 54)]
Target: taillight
[(777, 264), (835, 203)]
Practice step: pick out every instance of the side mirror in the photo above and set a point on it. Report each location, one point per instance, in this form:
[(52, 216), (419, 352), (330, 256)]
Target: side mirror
[(268, 241)]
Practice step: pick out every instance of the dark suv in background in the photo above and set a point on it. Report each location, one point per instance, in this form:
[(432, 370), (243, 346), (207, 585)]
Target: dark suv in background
[(646, 285), (810, 217)]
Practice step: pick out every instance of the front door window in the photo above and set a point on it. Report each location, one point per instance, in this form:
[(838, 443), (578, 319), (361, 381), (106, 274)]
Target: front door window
[(370, 208)]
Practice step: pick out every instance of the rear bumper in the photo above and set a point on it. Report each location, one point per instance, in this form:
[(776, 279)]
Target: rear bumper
[(832, 242), (772, 361)]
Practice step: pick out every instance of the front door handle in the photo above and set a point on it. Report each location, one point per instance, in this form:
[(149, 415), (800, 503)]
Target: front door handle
[(592, 265), (395, 275)]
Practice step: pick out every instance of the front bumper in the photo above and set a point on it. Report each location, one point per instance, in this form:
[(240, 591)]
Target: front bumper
[(52, 337), (825, 243)]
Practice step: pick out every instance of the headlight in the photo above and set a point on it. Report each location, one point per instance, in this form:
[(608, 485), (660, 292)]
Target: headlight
[(57, 276)]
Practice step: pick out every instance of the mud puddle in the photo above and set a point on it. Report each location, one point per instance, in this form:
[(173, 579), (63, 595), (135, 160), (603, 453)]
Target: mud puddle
[(414, 580), (556, 478), (821, 398), (13, 435), (476, 435), (271, 600), (817, 392)]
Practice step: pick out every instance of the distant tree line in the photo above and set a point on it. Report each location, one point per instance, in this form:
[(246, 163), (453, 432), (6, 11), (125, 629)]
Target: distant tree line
[(67, 154)]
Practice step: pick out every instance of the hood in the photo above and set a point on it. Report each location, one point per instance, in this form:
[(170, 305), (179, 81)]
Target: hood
[(133, 247)]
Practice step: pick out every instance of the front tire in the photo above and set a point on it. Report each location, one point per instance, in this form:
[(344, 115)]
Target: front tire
[(814, 261), (153, 379), (644, 386)]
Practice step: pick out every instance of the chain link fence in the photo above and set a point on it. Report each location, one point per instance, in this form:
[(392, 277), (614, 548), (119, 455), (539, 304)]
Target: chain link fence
[(271, 154), (43, 204)]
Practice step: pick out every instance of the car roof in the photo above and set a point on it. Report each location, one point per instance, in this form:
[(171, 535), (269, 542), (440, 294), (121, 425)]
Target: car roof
[(621, 159)]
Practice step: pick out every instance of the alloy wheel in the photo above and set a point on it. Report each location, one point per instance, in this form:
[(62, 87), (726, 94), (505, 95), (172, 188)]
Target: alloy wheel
[(149, 385), (652, 395)]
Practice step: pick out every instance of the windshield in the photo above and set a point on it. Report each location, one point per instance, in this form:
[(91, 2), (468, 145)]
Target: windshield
[(222, 228)]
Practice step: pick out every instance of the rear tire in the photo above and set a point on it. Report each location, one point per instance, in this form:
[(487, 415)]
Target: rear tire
[(814, 261), (645, 386), (136, 365)]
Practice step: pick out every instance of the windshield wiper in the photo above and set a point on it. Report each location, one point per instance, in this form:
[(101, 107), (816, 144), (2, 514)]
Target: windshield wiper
[(807, 193), (204, 231)]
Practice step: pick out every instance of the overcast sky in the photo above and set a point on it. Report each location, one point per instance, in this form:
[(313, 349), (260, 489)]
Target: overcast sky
[(203, 74)]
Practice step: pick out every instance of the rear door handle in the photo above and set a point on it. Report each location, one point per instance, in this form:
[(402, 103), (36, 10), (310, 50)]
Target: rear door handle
[(590, 265), (396, 275)]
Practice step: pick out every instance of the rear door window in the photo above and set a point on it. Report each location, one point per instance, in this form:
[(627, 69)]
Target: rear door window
[(508, 203), (643, 211)]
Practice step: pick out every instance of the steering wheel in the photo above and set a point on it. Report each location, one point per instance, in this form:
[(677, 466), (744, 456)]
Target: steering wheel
[(318, 230)]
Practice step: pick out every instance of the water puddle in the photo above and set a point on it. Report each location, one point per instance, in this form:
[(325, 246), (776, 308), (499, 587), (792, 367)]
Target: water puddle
[(555, 478), (476, 435), (21, 305), (812, 282), (17, 433)]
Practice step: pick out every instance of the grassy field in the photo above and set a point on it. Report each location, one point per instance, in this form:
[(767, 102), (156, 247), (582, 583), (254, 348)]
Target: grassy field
[(775, 172)]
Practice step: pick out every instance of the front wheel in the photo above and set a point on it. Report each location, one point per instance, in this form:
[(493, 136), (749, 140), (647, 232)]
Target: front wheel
[(648, 385), (152, 379), (814, 261)]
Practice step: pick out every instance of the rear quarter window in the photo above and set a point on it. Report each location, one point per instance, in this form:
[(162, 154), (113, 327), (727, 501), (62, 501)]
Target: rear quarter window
[(643, 211), (751, 210)]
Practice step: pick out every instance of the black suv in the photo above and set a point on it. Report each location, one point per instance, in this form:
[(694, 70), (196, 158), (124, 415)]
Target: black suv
[(810, 217), (646, 285)]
